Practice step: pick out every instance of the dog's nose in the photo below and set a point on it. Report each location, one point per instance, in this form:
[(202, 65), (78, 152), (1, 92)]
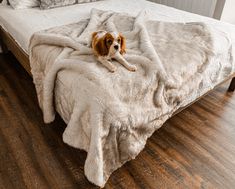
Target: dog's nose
[(116, 47)]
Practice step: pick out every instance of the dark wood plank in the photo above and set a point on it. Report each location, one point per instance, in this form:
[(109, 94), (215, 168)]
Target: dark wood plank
[(194, 149)]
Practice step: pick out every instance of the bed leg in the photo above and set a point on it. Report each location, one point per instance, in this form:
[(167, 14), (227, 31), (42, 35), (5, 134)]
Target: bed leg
[(232, 85)]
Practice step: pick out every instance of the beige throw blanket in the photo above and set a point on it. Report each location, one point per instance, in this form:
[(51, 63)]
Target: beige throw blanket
[(111, 115)]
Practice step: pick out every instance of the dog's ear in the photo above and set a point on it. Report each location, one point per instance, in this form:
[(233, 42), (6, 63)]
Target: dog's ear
[(93, 38), (101, 47), (123, 44), (94, 34)]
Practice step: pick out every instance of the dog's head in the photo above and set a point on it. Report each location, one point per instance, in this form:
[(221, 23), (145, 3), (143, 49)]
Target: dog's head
[(105, 43)]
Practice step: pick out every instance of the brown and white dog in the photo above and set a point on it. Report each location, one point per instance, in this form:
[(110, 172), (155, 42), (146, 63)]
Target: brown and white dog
[(108, 46)]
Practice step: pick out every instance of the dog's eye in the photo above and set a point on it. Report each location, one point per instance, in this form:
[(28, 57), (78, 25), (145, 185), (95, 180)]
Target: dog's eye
[(119, 40), (110, 41)]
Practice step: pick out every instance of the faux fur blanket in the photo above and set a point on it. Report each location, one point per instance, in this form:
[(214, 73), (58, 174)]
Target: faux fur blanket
[(111, 115)]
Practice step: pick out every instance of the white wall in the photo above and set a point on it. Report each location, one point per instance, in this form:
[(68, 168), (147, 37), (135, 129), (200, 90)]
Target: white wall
[(202, 7), (219, 9), (228, 14)]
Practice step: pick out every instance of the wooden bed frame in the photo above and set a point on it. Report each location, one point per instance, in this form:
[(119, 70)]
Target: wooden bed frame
[(7, 43)]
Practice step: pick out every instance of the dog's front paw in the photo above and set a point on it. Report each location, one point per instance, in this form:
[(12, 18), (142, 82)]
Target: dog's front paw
[(113, 69), (133, 68)]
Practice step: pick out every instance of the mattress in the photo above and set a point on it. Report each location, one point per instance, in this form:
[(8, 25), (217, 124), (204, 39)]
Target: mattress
[(21, 24)]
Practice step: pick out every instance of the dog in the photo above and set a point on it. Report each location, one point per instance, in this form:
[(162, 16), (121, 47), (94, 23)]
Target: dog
[(110, 45)]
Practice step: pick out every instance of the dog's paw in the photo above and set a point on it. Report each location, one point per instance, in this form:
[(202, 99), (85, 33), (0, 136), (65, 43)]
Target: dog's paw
[(133, 68), (113, 69)]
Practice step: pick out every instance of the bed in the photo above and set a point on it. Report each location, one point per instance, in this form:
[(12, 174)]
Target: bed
[(17, 28)]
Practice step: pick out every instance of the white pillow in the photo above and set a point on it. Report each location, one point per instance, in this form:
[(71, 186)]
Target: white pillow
[(4, 2), (48, 4), (24, 4)]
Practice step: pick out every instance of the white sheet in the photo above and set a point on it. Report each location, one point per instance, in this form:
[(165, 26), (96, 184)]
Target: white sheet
[(21, 24)]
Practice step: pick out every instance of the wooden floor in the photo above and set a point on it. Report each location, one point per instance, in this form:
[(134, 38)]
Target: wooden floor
[(194, 149)]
